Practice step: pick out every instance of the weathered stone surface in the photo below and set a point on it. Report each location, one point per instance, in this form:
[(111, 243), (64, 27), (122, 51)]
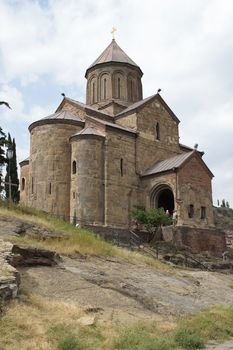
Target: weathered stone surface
[(9, 276), (28, 256), (198, 239)]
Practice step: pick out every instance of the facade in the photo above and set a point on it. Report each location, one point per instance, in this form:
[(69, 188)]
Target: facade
[(95, 161)]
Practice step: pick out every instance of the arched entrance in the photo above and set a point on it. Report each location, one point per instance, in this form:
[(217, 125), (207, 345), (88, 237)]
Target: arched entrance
[(162, 197)]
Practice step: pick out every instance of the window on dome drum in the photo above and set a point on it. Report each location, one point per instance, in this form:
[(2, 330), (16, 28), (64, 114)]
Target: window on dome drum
[(203, 212), (122, 167), (23, 184), (105, 88), (50, 188), (191, 211), (131, 90), (93, 92), (157, 131), (74, 167), (118, 87)]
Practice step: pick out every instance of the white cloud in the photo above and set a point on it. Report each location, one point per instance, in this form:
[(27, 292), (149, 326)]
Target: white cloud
[(184, 47)]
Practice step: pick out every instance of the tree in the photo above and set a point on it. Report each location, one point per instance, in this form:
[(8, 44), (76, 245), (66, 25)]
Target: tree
[(12, 170), (152, 218), (2, 154), (227, 205), (223, 205), (218, 202)]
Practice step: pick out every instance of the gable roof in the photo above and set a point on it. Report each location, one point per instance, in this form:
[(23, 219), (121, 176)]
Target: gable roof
[(173, 163), (140, 104), (84, 107), (112, 125), (113, 53)]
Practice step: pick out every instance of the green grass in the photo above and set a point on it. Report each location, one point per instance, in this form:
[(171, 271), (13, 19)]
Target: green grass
[(75, 240)]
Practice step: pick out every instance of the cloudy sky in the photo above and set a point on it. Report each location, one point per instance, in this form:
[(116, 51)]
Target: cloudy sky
[(184, 47)]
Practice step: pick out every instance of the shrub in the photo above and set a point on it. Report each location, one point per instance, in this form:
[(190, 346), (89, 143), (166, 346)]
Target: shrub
[(69, 343), (188, 339)]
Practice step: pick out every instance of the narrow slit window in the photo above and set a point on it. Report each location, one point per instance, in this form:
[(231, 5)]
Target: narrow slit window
[(74, 167), (157, 131), (23, 184), (131, 91), (93, 93), (203, 212), (122, 167), (50, 188), (118, 88), (105, 89), (32, 185), (191, 211), (74, 195)]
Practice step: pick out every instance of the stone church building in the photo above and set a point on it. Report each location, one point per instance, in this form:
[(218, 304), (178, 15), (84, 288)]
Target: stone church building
[(97, 160)]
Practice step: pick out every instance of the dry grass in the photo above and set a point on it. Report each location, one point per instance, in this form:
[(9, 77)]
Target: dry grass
[(76, 240), (41, 324)]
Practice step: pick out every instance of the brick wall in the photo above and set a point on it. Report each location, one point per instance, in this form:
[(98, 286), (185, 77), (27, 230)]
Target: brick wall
[(197, 239)]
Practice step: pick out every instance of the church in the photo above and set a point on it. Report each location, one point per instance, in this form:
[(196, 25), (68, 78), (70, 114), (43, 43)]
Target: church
[(95, 161)]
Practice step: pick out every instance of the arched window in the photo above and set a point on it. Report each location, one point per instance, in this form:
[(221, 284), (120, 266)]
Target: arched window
[(74, 167), (122, 167), (23, 184), (157, 131), (118, 87)]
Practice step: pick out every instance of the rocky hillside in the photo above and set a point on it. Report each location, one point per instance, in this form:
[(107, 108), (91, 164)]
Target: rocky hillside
[(224, 221)]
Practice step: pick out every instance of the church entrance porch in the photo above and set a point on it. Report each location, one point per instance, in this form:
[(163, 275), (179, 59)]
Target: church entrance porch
[(162, 197)]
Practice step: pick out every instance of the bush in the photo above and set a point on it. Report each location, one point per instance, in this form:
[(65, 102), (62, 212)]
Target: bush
[(188, 339), (69, 343)]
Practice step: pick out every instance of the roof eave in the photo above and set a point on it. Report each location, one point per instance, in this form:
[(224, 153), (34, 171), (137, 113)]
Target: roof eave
[(110, 63)]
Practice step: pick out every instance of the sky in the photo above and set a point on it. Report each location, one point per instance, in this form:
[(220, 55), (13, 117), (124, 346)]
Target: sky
[(184, 47)]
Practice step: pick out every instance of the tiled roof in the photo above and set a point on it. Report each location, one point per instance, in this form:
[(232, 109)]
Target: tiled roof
[(86, 107), (117, 126), (89, 131), (136, 105), (168, 164), (63, 115), (24, 161), (113, 53)]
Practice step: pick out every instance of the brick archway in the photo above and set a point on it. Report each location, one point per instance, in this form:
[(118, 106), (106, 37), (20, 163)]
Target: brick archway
[(162, 197)]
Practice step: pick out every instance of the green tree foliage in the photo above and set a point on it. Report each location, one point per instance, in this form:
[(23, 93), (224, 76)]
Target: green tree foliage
[(223, 205), (151, 218), (12, 170), (2, 154)]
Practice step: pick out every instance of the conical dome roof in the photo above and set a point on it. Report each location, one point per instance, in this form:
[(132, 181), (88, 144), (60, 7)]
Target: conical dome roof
[(113, 53)]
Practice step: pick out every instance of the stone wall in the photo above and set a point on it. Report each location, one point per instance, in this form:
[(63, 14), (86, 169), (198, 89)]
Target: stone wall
[(121, 180), (87, 184), (149, 148), (109, 74), (197, 239), (24, 183), (49, 168), (194, 185)]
